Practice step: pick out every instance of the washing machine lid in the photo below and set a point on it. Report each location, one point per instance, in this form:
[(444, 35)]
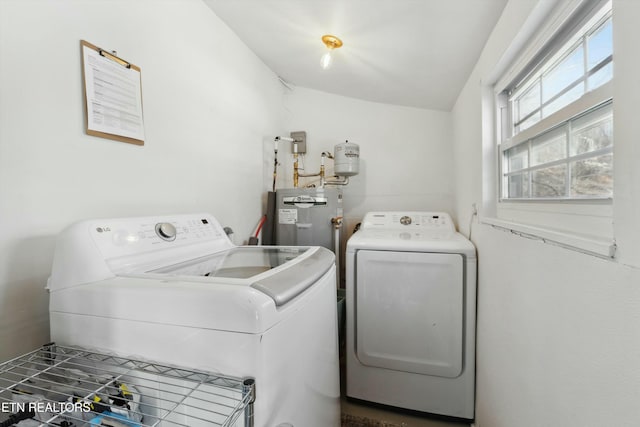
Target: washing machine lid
[(179, 297), (237, 263), (180, 270), (281, 272), (181, 248)]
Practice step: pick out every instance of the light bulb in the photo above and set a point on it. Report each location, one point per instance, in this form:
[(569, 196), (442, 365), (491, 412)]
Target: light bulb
[(325, 61), (331, 42)]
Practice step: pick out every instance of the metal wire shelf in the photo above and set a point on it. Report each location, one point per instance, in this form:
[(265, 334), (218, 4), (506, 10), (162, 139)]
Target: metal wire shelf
[(72, 387)]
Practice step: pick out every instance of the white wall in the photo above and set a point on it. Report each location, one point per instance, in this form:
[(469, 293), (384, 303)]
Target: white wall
[(405, 153), (209, 107), (557, 330)]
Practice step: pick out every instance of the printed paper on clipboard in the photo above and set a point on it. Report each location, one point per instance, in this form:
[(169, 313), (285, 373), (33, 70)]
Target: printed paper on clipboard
[(113, 91)]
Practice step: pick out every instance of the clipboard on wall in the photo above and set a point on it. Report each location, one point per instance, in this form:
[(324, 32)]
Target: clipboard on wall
[(112, 95)]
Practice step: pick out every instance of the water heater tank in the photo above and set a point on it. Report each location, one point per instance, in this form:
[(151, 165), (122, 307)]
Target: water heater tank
[(346, 159)]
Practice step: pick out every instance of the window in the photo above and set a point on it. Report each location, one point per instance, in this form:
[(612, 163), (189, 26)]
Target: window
[(552, 135), (574, 160), (558, 135)]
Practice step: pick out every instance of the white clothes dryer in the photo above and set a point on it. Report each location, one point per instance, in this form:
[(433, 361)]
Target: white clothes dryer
[(411, 313), (174, 289)]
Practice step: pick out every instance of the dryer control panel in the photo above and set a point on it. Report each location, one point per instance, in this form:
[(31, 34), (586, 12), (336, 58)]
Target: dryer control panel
[(408, 220)]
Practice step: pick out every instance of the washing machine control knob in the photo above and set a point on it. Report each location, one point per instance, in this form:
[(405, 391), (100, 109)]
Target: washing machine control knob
[(405, 220), (166, 231)]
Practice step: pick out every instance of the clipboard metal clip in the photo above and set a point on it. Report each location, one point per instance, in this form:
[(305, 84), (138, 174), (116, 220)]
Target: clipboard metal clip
[(112, 57)]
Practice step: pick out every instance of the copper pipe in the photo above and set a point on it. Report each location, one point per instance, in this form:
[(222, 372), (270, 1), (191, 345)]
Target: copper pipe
[(295, 165)]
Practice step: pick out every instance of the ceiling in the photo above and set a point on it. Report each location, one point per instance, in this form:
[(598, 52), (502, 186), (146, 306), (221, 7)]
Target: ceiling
[(417, 53)]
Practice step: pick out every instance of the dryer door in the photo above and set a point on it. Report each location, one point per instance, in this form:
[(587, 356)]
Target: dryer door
[(409, 311)]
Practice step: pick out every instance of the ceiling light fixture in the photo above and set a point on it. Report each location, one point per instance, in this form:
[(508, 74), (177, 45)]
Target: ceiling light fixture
[(331, 42)]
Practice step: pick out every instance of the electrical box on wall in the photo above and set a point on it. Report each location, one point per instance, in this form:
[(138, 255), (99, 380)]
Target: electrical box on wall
[(300, 138)]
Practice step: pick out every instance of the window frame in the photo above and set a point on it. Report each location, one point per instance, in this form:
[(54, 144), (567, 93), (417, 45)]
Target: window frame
[(563, 44), (583, 225)]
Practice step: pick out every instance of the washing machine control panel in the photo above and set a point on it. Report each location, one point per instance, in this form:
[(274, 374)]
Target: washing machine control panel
[(130, 236), (166, 231), (408, 220)]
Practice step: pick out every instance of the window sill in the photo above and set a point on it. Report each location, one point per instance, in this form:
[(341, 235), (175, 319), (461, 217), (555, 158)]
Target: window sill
[(603, 248)]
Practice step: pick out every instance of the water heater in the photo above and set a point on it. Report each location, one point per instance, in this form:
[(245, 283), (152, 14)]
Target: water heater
[(304, 216), (346, 159)]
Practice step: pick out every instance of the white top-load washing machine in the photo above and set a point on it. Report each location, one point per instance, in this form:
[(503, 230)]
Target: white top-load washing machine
[(174, 289), (411, 312)]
